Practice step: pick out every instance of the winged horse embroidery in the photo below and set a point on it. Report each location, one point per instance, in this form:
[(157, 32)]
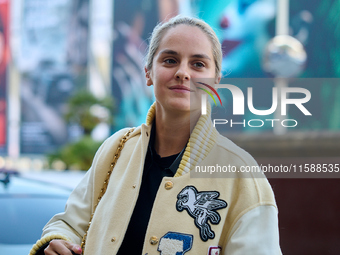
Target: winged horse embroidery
[(201, 206)]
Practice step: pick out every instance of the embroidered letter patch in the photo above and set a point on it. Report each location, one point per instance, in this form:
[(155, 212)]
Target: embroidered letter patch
[(214, 250), (173, 243), (201, 206)]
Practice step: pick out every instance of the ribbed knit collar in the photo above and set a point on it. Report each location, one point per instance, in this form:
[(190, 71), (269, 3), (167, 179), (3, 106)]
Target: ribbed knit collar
[(201, 140)]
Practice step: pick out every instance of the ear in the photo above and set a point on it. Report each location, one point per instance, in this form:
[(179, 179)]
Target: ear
[(148, 77), (218, 79)]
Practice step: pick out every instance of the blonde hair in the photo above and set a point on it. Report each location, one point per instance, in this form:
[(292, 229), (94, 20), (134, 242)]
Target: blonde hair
[(161, 28)]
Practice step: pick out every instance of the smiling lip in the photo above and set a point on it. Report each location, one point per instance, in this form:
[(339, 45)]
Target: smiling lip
[(180, 88)]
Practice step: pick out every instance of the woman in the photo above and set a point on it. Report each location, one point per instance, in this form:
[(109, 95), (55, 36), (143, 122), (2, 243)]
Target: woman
[(151, 205)]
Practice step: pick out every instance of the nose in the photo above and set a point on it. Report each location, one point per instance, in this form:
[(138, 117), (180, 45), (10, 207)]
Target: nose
[(182, 73)]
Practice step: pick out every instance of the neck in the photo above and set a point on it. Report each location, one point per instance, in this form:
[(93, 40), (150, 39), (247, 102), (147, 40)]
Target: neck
[(173, 131)]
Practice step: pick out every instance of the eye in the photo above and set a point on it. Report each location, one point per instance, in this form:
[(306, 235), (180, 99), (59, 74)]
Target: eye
[(170, 61), (199, 64), (185, 198)]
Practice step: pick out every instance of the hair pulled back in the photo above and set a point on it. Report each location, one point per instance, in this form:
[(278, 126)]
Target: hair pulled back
[(163, 27)]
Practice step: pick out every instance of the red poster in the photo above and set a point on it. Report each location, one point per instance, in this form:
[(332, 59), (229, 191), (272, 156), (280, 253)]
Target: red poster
[(4, 56)]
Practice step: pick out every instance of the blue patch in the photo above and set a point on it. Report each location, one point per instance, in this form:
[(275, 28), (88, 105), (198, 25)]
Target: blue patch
[(173, 243)]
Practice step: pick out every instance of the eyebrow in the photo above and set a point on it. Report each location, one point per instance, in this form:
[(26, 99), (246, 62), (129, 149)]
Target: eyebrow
[(172, 52)]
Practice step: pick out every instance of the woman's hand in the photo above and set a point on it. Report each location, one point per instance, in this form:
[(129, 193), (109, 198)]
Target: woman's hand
[(62, 247)]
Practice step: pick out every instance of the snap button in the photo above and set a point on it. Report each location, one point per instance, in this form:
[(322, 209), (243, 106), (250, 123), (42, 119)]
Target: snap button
[(153, 240), (113, 239), (168, 185)]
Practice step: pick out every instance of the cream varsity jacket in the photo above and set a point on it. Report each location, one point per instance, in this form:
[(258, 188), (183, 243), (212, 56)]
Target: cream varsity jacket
[(194, 212)]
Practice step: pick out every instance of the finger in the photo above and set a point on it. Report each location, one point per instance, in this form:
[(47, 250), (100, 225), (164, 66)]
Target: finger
[(58, 247), (75, 249), (48, 251)]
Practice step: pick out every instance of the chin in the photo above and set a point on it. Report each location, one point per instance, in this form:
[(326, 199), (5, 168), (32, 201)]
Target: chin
[(186, 108), (180, 105), (176, 105)]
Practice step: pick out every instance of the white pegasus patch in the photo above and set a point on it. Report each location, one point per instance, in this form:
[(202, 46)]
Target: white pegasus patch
[(202, 207)]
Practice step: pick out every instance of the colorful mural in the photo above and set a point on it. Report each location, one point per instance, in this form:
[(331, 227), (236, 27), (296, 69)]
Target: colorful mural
[(4, 58), (53, 64)]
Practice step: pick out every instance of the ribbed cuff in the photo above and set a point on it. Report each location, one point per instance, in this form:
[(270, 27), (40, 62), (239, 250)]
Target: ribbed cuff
[(43, 242)]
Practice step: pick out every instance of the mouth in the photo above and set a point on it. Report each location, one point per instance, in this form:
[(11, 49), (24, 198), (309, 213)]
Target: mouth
[(180, 88), (228, 46)]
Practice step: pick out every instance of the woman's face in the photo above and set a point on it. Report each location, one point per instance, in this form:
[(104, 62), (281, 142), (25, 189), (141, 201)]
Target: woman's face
[(184, 53)]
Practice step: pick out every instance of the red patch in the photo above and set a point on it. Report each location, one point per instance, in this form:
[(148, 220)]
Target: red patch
[(214, 250)]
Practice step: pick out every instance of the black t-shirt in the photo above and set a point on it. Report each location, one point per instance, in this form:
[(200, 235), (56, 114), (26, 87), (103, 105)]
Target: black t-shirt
[(155, 168)]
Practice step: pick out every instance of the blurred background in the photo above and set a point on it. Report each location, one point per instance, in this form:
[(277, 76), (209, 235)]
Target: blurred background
[(71, 74)]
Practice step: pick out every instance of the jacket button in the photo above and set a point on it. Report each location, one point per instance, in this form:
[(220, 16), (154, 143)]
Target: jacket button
[(153, 240), (113, 239), (168, 185)]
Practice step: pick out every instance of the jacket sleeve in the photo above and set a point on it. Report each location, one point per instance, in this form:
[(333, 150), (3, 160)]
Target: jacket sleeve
[(72, 224), (255, 233)]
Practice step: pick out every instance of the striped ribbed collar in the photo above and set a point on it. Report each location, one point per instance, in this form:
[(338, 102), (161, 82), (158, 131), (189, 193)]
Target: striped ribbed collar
[(201, 140)]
